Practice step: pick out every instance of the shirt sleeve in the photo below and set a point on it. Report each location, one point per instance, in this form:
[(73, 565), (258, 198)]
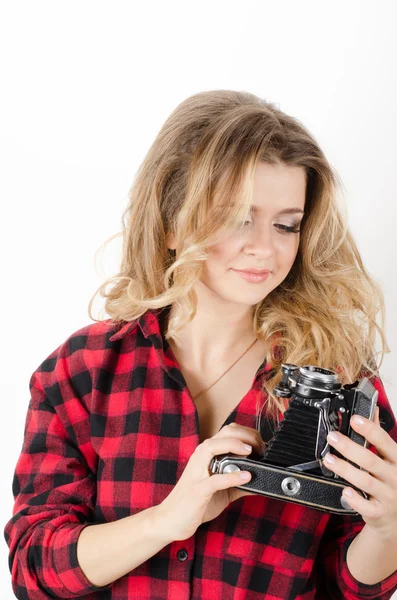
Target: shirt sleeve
[(335, 580), (54, 486)]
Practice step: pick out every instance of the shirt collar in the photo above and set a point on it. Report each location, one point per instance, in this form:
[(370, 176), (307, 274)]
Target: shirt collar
[(150, 325)]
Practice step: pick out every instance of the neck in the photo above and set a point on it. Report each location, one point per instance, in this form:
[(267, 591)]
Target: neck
[(214, 336)]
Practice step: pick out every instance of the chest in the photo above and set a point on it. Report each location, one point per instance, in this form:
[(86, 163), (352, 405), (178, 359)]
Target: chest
[(214, 406)]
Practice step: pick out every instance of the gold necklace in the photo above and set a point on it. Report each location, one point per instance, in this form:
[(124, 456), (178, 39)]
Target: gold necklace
[(223, 374)]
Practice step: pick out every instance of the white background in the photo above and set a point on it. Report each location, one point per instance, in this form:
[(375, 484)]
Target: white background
[(85, 87)]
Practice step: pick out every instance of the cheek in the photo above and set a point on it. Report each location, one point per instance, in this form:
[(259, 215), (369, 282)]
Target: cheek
[(222, 257), (292, 256), (221, 253), (288, 248)]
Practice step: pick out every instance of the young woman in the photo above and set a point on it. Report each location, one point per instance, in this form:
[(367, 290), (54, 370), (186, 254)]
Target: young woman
[(236, 258)]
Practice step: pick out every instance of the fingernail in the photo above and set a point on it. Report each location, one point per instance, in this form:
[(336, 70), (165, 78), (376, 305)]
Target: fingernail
[(248, 447), (245, 475), (358, 420), (333, 437), (329, 458)]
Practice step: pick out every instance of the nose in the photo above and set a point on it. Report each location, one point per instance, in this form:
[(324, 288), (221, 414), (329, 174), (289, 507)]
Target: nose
[(261, 242)]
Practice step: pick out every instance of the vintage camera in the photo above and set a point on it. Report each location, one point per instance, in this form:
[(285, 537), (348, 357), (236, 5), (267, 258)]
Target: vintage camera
[(292, 467)]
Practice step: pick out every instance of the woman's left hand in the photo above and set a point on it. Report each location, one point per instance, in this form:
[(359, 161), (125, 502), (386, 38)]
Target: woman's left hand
[(378, 479)]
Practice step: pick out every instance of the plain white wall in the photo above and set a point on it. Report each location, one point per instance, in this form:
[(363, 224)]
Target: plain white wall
[(85, 88)]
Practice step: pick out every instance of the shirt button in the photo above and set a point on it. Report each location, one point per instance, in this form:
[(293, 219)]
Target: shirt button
[(182, 554)]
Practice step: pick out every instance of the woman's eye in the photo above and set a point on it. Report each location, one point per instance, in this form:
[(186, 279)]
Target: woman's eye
[(288, 229), (283, 228)]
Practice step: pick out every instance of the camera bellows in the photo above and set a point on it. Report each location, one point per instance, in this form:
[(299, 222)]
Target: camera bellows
[(295, 440)]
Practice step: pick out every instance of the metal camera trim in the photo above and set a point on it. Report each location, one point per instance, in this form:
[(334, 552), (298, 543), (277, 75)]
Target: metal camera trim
[(288, 481), (329, 377)]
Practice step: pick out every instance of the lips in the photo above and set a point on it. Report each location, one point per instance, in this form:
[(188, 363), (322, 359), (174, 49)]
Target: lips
[(253, 276), (252, 271)]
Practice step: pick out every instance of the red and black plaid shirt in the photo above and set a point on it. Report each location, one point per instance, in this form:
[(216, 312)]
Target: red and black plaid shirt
[(109, 430)]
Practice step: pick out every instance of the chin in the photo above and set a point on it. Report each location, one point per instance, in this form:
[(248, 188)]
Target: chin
[(243, 298), (252, 295)]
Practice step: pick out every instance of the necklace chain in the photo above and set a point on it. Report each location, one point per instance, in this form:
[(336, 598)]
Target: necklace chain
[(223, 374)]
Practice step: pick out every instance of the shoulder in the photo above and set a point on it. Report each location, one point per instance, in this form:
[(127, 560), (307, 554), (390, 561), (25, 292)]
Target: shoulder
[(94, 336), (83, 350)]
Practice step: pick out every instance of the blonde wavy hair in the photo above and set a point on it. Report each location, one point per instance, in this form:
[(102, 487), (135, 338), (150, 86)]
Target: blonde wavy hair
[(197, 177)]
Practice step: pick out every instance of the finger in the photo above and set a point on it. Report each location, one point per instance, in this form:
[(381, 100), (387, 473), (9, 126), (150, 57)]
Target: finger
[(363, 457), (368, 509), (216, 446), (358, 477), (378, 437), (247, 430), (246, 434), (222, 481)]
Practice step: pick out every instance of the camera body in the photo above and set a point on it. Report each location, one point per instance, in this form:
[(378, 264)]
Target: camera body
[(292, 466)]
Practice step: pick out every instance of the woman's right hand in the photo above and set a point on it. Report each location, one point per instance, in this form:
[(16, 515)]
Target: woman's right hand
[(199, 496)]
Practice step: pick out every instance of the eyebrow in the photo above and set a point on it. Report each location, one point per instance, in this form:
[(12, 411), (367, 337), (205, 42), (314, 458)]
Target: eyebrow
[(285, 211)]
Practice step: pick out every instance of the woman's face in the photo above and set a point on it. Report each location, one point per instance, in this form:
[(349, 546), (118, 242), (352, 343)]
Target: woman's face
[(266, 241)]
